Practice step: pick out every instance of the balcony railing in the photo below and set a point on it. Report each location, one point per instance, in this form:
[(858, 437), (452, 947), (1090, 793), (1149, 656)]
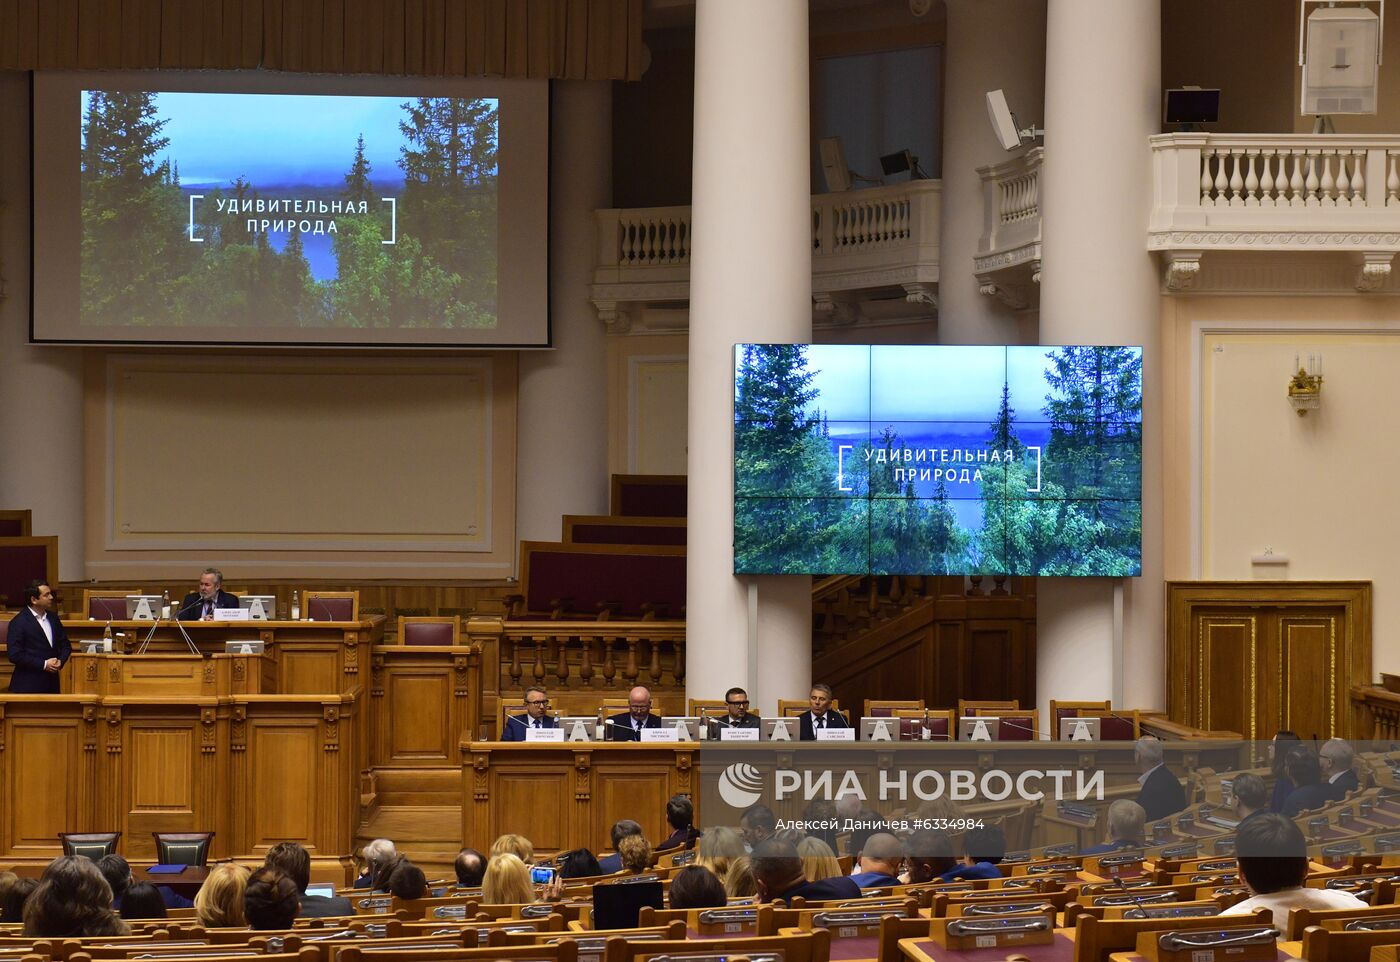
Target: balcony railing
[(1008, 253), (862, 240)]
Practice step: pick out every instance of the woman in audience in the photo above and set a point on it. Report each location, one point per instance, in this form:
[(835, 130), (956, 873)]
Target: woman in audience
[(142, 901), (384, 871), (818, 860), (694, 887), (14, 892), (270, 900), (219, 902), (719, 847), (408, 882), (507, 881), (1284, 742), (739, 883), (73, 899), (580, 863), (1273, 860), (635, 854), (375, 854), (517, 845)]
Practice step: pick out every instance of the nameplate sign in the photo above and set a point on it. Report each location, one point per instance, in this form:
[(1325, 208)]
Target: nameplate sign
[(836, 734), (738, 734), (231, 614), (659, 735), (544, 734)]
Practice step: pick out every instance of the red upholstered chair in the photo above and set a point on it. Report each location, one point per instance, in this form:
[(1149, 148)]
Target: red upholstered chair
[(942, 724), (649, 495), (1116, 726), (106, 604), (331, 605), (16, 524), (1072, 709), (22, 560), (876, 708), (1017, 725), (431, 632), (5, 628), (968, 708)]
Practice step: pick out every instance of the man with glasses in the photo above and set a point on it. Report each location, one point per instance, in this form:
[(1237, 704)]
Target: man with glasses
[(536, 716), (627, 727), (737, 714)]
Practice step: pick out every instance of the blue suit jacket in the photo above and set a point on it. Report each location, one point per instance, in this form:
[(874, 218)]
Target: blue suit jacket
[(28, 648), (191, 609), (516, 726), (621, 729)]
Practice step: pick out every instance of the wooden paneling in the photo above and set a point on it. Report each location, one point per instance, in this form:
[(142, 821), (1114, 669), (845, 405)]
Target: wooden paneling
[(1254, 657), (307, 671), (425, 732), (42, 783), (285, 756), (161, 769), (459, 37), (535, 804)]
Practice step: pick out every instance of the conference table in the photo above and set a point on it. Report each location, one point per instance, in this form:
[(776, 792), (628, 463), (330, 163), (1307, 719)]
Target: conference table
[(185, 883)]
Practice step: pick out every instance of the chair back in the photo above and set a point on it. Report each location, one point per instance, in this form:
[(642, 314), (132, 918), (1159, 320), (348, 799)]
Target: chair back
[(183, 848), (331, 605), (1017, 724), (966, 707), (23, 560), (107, 604), (431, 632), (942, 724), (94, 845), (16, 523), (884, 708)]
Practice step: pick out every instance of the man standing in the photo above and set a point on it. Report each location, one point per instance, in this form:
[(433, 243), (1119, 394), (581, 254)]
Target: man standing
[(199, 605), (628, 726), (536, 706), (821, 716), (37, 644)]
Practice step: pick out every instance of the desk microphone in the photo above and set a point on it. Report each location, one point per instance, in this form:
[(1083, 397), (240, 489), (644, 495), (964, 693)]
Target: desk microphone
[(199, 600), (1123, 887)]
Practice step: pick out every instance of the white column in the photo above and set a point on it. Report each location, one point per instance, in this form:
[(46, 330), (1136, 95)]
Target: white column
[(991, 44), (750, 280), (1099, 638), (41, 388), (563, 414)]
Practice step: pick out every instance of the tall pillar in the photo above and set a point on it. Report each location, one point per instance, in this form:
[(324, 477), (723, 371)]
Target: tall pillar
[(41, 392), (991, 44), (1099, 286), (563, 413), (750, 281)]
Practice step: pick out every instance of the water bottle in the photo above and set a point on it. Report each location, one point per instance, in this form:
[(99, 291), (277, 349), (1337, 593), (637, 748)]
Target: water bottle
[(165, 604), (107, 638), (296, 606)]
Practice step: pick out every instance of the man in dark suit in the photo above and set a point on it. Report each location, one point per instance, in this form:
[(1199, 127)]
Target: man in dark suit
[(627, 727), (296, 862), (536, 708), (821, 715), (778, 875), (736, 714), (1161, 794), (611, 864), (1336, 757), (1304, 769), (199, 605), (37, 644), (880, 861)]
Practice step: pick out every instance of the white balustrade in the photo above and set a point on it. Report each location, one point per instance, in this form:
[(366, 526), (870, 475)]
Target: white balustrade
[(1010, 212)]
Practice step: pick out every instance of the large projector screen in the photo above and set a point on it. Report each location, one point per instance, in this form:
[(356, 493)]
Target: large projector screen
[(924, 459), (249, 209)]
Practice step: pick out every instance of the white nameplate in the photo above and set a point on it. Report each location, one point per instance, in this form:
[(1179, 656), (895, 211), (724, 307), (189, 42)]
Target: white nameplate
[(836, 734), (738, 734), (231, 614), (659, 735), (544, 734)]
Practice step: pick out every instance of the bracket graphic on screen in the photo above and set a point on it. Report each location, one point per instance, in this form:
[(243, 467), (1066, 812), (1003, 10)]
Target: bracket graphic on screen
[(1036, 449), (193, 239), (393, 220), (841, 450)]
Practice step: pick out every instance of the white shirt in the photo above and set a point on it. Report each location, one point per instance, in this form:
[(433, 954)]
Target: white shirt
[(1282, 902), (44, 623), (1337, 775)]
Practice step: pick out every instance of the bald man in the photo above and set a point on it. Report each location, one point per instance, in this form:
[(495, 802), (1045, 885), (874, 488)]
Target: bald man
[(881, 860), (628, 726)]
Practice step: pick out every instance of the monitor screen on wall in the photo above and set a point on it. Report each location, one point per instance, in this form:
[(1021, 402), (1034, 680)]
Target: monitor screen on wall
[(255, 209), (930, 459)]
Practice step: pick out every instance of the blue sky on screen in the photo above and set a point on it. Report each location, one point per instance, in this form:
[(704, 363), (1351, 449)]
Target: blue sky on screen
[(931, 382)]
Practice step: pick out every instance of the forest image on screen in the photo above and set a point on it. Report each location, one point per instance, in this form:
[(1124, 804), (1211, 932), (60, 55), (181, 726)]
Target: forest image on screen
[(280, 210), (930, 459)]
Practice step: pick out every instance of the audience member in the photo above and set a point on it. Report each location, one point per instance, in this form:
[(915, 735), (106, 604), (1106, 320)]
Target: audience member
[(1161, 794), (1249, 796), (580, 863), (1336, 757), (14, 892), (778, 876), (271, 900), (376, 853), (507, 881), (983, 849), (143, 901), (694, 887), (1282, 743), (1273, 861), (634, 852), (408, 882), (71, 900), (739, 880), (820, 817), (881, 860), (930, 855), (1305, 772), (517, 845), (117, 871), (757, 823), (680, 815), (718, 849), (818, 860), (385, 870), (295, 861), (470, 866), (219, 902), (1127, 825), (612, 864)]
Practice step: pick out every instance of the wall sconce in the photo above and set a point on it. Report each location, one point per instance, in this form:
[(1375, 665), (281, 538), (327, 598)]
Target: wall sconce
[(1305, 387)]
